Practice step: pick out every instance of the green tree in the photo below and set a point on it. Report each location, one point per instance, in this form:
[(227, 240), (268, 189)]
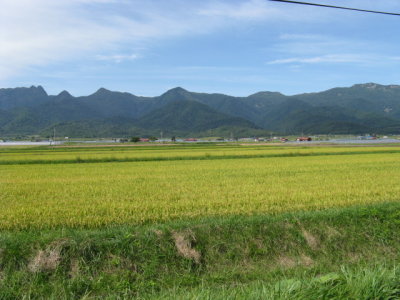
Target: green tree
[(135, 139)]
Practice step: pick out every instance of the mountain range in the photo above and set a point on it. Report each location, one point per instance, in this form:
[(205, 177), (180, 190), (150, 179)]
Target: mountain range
[(359, 109)]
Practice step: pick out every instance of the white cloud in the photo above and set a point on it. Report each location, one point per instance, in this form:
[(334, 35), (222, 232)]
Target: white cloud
[(332, 58), (44, 31), (35, 33), (41, 32), (302, 49), (260, 10), (117, 58), (315, 45), (254, 9), (303, 37)]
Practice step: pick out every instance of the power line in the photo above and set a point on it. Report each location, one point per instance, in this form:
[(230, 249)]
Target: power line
[(339, 7)]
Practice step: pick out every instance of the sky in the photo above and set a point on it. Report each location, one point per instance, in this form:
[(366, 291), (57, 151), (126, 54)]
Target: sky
[(234, 47)]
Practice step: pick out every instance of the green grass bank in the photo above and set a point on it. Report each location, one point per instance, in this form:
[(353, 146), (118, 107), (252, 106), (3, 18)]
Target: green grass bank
[(348, 252)]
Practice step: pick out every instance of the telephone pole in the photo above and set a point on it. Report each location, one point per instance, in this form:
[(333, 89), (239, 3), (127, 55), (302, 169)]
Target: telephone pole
[(54, 137)]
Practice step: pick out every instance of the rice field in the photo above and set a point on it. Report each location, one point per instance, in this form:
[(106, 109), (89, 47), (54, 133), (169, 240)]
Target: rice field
[(109, 154), (229, 180)]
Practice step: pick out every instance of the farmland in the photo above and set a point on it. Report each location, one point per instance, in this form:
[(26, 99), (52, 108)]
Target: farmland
[(168, 152), (335, 205), (97, 194)]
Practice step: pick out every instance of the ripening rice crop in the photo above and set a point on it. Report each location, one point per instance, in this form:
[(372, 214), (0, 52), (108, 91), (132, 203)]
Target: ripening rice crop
[(98, 194), (109, 154)]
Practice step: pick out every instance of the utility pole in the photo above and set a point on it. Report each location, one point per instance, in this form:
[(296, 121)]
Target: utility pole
[(54, 136)]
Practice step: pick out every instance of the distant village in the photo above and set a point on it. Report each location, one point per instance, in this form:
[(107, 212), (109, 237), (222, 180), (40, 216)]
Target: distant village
[(246, 139), (341, 139)]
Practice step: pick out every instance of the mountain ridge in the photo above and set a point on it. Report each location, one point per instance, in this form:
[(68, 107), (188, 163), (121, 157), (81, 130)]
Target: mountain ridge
[(360, 108)]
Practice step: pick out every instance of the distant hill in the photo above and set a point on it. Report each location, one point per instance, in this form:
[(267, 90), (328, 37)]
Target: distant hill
[(179, 117), (192, 116), (362, 108), (22, 97)]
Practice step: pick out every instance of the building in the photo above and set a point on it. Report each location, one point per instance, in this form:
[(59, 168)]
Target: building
[(304, 139)]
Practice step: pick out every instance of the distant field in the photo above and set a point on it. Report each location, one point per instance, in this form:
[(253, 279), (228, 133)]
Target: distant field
[(46, 155), (229, 180)]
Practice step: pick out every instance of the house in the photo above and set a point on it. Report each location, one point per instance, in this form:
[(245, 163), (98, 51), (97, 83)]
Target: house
[(304, 139), (190, 140), (144, 140)]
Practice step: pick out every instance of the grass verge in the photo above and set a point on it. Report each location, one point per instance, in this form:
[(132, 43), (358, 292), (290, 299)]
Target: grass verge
[(295, 254), (376, 282)]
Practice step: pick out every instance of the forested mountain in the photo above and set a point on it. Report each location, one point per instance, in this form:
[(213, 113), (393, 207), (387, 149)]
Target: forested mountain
[(362, 108)]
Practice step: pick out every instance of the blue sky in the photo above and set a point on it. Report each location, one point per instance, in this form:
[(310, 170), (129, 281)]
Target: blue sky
[(234, 47)]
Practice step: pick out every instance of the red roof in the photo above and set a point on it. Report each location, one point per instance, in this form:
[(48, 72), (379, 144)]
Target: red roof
[(304, 138)]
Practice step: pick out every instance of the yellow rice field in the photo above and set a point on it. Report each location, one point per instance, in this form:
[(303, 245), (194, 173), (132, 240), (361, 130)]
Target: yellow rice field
[(47, 155), (111, 193)]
